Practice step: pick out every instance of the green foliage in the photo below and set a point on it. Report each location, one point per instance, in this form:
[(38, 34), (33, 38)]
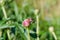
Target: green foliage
[(15, 16)]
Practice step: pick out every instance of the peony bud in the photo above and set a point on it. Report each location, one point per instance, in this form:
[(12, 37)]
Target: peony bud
[(26, 22)]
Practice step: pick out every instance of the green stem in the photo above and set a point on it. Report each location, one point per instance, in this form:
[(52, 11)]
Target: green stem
[(37, 29), (37, 20), (5, 15), (0, 34), (54, 35), (4, 12), (8, 33), (28, 34)]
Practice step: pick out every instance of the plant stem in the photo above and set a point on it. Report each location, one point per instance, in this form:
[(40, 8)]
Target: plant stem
[(4, 12), (37, 20), (54, 35), (37, 29), (8, 33), (28, 34), (5, 15), (0, 34)]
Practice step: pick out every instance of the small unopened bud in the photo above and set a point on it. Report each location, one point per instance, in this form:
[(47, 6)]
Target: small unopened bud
[(51, 29), (1, 1), (26, 22), (36, 11)]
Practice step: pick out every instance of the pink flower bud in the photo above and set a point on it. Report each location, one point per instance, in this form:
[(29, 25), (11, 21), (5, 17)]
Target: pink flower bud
[(26, 22)]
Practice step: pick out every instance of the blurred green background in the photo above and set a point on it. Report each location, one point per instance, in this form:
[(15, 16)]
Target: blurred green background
[(18, 10)]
